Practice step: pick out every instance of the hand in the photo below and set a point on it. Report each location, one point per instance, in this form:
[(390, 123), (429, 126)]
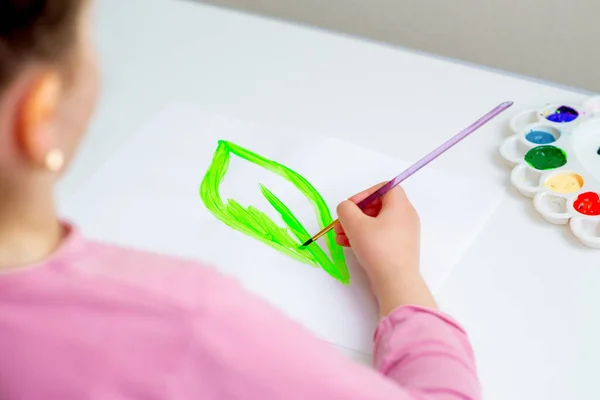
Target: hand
[(385, 238)]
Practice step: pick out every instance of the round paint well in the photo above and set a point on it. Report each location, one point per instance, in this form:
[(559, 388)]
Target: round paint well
[(562, 114), (565, 182), (546, 157), (587, 203), (542, 135)]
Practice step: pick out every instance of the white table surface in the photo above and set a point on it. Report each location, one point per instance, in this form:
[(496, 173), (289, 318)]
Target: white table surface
[(525, 291)]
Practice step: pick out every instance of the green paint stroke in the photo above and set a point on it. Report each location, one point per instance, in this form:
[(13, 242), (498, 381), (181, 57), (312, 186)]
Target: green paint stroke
[(253, 222)]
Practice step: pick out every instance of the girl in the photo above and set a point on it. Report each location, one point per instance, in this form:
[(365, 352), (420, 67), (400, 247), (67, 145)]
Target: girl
[(84, 320)]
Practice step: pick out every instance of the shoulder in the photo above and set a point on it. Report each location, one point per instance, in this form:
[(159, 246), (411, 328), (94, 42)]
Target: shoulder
[(187, 282)]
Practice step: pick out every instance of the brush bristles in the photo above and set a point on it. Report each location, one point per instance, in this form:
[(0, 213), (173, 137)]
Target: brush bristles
[(309, 241)]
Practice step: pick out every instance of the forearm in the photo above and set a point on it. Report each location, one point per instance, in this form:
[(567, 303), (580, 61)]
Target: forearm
[(409, 290), (426, 353)]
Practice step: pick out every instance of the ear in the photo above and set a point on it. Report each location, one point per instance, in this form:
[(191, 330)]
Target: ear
[(36, 121)]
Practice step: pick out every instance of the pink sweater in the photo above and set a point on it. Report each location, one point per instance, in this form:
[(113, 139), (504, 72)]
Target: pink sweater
[(102, 322)]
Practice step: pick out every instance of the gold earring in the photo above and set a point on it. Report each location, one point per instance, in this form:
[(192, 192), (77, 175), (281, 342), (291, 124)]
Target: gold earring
[(54, 160)]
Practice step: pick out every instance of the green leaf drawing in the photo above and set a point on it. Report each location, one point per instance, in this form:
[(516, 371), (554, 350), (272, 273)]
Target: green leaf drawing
[(254, 223)]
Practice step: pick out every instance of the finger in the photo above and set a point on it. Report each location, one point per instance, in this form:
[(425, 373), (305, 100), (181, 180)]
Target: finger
[(373, 209), (338, 229), (394, 200), (366, 193), (351, 217), (342, 240)]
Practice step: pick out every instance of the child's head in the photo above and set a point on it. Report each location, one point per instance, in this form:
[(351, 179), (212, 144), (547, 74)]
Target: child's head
[(48, 87)]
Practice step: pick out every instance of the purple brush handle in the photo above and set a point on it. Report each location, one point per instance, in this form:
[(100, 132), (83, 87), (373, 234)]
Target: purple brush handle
[(434, 154)]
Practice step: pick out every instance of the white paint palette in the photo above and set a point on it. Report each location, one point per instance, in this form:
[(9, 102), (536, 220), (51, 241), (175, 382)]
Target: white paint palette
[(555, 154)]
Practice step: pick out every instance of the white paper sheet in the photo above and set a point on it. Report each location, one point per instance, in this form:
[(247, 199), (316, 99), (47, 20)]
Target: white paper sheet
[(147, 197)]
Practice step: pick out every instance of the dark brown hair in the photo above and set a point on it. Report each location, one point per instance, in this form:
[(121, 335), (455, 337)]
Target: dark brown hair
[(35, 31)]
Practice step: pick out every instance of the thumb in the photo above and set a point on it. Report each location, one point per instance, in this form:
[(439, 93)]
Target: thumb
[(351, 217)]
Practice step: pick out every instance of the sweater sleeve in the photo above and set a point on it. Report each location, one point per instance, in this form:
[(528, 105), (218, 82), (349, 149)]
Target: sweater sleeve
[(427, 353), (246, 349)]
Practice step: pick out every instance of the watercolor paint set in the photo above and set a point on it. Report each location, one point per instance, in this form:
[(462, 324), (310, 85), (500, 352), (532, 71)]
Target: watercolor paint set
[(555, 154)]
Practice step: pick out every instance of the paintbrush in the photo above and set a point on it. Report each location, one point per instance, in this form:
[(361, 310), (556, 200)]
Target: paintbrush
[(419, 164)]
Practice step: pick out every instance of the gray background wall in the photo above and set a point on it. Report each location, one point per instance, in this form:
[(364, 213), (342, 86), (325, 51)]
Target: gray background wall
[(554, 40)]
